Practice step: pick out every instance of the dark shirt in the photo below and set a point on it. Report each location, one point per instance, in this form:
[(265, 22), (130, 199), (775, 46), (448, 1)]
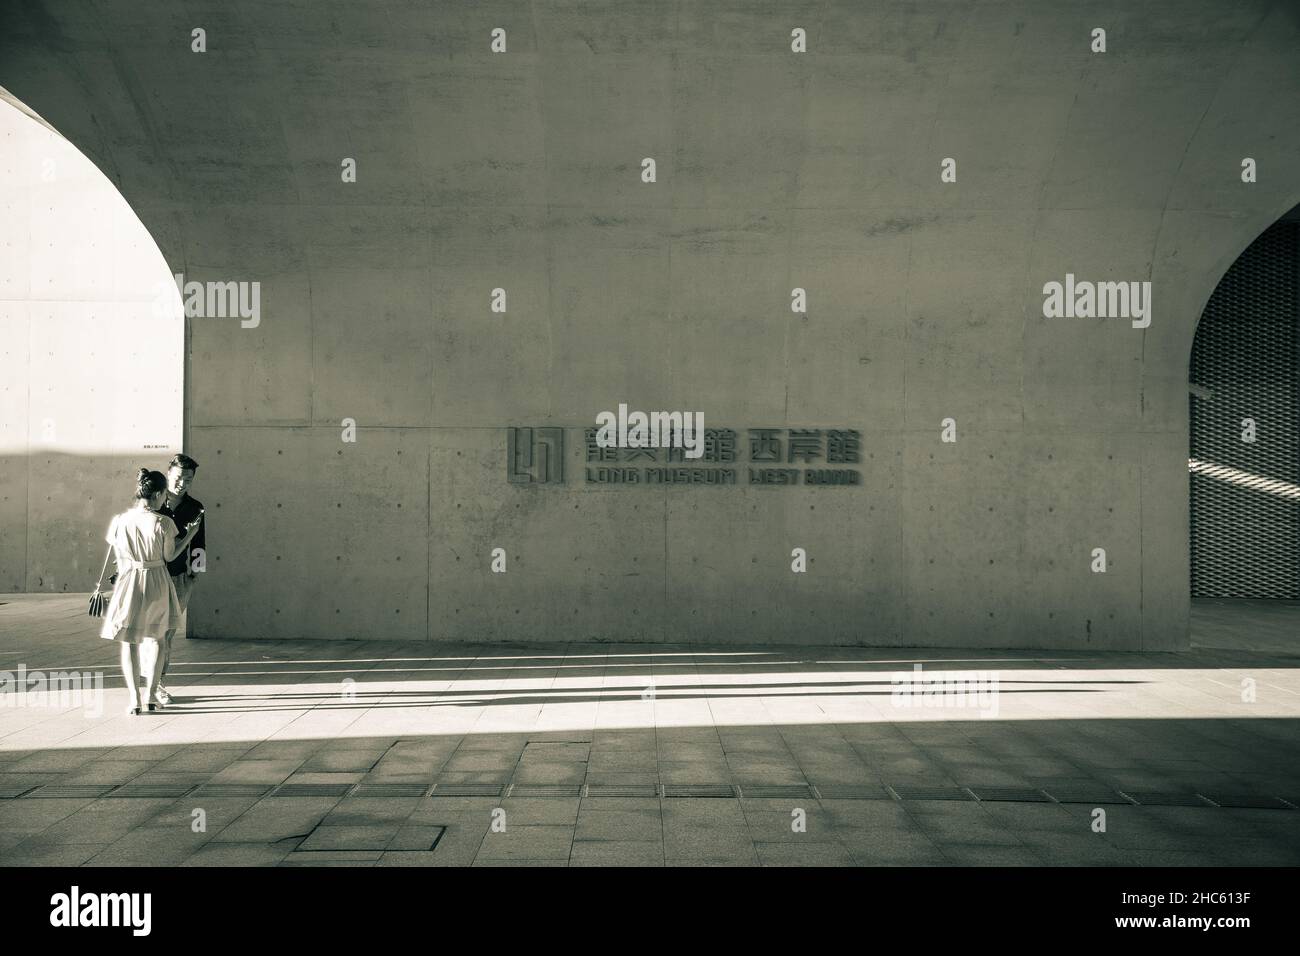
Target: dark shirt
[(186, 511)]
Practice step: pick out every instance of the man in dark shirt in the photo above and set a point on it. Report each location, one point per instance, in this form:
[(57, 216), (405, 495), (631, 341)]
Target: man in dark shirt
[(182, 509)]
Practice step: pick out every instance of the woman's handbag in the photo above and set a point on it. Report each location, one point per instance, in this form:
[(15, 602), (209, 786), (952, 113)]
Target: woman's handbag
[(98, 602)]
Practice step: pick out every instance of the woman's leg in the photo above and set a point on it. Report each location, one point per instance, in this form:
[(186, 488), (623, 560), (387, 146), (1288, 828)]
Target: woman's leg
[(147, 652), (130, 668), (154, 673), (165, 652), (181, 584)]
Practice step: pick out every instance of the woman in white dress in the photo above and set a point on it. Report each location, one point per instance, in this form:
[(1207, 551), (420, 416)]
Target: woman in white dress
[(144, 606)]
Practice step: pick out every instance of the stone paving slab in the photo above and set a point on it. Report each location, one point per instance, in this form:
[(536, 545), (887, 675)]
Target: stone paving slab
[(543, 842), (617, 853), (629, 781)]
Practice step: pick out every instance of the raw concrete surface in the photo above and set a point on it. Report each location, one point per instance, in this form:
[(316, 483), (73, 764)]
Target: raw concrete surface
[(91, 377), (775, 170)]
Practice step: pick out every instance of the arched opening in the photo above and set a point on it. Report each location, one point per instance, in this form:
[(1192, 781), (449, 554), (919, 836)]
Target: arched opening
[(91, 356), (1244, 442)]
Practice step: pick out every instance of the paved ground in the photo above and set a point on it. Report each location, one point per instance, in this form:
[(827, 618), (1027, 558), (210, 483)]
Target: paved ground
[(282, 753)]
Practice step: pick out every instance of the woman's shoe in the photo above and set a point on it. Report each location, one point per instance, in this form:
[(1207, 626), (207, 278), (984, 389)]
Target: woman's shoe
[(133, 710)]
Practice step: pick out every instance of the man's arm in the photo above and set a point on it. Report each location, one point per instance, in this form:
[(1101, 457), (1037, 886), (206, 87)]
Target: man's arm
[(173, 549)]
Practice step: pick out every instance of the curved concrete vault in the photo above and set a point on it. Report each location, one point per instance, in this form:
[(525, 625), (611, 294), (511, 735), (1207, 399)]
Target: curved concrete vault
[(79, 276), (521, 170)]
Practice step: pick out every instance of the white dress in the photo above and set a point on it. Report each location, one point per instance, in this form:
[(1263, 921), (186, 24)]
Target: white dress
[(144, 602)]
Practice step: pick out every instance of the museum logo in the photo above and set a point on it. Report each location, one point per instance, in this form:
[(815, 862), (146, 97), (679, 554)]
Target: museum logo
[(767, 457), (535, 455), (1098, 300)]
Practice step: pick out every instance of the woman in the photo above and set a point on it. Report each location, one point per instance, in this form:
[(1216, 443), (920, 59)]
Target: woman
[(144, 605)]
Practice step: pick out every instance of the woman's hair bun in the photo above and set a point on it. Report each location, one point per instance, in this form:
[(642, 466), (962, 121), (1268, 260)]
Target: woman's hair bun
[(149, 483)]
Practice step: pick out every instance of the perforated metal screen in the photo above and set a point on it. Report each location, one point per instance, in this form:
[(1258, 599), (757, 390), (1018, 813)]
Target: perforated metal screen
[(1245, 496)]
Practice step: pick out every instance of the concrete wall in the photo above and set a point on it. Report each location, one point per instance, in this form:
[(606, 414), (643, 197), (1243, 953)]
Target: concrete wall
[(90, 375), (775, 170)]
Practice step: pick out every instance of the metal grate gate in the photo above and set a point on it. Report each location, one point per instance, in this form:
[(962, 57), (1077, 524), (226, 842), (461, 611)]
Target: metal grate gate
[(1245, 496)]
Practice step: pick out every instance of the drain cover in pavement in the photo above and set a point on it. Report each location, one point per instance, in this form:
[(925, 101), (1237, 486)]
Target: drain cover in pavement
[(545, 790), (854, 793), (1160, 798), (646, 790), (232, 790), (157, 790), (699, 790), (467, 790), (65, 791), (1096, 796), (391, 790), (793, 791), (932, 793), (1239, 801), (1010, 794), (312, 790)]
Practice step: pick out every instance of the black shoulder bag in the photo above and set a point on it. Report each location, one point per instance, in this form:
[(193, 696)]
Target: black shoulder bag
[(98, 602)]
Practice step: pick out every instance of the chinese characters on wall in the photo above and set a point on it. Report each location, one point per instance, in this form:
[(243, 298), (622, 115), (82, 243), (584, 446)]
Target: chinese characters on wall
[(754, 456)]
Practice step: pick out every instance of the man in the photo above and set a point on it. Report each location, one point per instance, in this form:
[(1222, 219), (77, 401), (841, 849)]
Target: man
[(182, 509)]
